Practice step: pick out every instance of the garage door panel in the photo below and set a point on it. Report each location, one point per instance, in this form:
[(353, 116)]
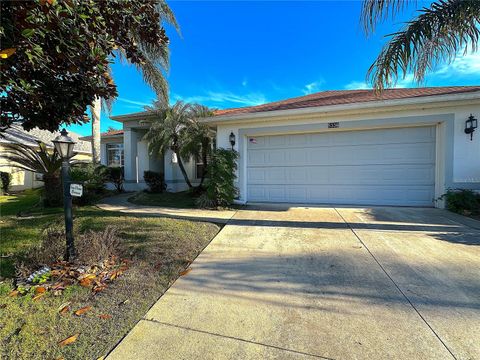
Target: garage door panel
[(318, 194), (384, 167), (345, 175)]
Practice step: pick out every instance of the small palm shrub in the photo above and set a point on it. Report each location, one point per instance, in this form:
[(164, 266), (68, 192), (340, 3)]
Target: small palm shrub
[(6, 180), (43, 161), (115, 175), (462, 201), (220, 188), (93, 178), (155, 181)]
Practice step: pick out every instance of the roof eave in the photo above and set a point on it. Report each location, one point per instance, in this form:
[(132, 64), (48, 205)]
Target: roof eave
[(132, 116), (370, 105)]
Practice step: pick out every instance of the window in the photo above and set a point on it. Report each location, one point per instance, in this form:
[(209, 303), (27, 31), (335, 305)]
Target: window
[(115, 154), (199, 169)]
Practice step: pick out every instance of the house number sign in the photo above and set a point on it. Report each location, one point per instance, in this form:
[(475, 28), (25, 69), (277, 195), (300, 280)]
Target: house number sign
[(76, 190), (333, 125)]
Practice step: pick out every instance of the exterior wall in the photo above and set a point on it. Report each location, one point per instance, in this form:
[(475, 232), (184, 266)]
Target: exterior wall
[(173, 175), (459, 155), (136, 158)]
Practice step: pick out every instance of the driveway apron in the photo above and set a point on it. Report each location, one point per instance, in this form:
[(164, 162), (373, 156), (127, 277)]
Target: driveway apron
[(281, 282)]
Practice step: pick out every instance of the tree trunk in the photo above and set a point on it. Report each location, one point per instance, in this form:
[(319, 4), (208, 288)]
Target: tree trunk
[(205, 165), (182, 169), (96, 109), (53, 193)]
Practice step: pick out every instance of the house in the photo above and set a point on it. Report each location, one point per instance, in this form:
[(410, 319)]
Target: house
[(22, 179), (405, 147), (128, 149)]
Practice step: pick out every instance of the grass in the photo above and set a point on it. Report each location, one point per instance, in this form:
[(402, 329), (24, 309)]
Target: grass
[(174, 200), (27, 200), (160, 248)]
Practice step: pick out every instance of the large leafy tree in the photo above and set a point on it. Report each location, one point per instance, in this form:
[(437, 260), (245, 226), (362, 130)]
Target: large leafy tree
[(436, 35), (55, 55)]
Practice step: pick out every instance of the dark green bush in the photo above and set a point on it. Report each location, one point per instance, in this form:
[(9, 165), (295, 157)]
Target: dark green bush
[(6, 180), (462, 201), (220, 187), (93, 177), (115, 175), (155, 181), (53, 190)]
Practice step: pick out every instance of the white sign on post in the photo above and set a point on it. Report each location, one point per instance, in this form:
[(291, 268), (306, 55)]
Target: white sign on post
[(76, 190)]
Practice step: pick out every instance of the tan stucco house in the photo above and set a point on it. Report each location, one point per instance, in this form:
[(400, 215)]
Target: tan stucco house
[(22, 179), (405, 147)]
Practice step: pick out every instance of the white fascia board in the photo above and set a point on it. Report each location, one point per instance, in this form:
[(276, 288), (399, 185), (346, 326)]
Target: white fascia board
[(372, 106), (133, 116)]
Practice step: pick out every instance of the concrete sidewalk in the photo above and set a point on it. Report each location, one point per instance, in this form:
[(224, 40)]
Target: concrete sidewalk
[(322, 283), (120, 203)]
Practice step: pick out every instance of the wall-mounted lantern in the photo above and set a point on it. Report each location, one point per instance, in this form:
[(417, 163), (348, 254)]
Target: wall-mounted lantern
[(232, 139), (470, 125)]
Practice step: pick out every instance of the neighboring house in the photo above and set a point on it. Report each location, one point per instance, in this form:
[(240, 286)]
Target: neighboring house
[(22, 179), (405, 147)]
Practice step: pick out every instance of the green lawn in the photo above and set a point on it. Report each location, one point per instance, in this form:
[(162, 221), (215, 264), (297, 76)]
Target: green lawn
[(159, 248), (175, 200), (27, 201)]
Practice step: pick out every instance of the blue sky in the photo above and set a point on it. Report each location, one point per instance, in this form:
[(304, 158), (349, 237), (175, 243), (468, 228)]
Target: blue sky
[(242, 53)]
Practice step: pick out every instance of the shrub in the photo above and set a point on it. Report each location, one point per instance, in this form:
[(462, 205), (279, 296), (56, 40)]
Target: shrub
[(155, 181), (220, 188), (204, 202), (115, 175), (93, 178), (462, 201), (6, 179), (92, 247)]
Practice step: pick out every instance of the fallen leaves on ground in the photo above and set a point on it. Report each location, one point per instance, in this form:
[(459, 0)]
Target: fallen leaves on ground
[(14, 293), (105, 316), (36, 297), (186, 271), (69, 340), (64, 308), (40, 289), (82, 311), (64, 274)]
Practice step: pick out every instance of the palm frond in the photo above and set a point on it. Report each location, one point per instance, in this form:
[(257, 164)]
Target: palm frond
[(40, 160), (167, 15), (436, 36), (376, 11)]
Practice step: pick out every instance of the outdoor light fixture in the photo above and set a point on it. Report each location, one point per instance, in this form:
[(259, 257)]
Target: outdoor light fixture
[(232, 139), (64, 145), (470, 126)]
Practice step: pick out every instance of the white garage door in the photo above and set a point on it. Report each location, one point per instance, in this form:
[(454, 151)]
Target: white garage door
[(368, 167)]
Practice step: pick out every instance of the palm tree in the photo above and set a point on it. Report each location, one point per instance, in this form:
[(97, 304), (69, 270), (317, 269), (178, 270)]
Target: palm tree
[(198, 137), (152, 68), (166, 130), (40, 161), (95, 110), (438, 34)]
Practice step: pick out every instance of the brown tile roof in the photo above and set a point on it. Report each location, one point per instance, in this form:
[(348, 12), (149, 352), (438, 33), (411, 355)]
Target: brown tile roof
[(105, 134), (112, 133), (341, 97)]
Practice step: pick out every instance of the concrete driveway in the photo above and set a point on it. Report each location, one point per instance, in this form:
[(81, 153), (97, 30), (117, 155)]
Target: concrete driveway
[(282, 282)]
